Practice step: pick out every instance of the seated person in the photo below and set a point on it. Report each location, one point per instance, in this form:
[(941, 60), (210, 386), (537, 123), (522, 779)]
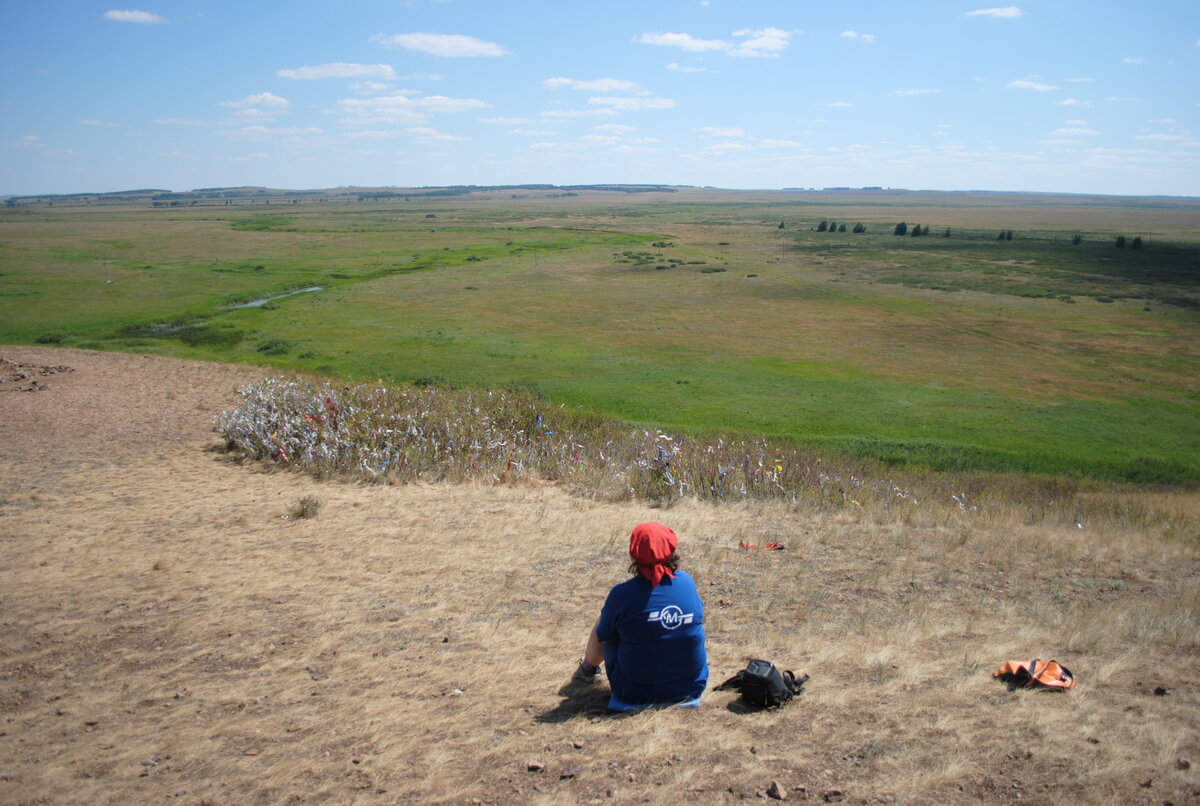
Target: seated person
[(650, 635)]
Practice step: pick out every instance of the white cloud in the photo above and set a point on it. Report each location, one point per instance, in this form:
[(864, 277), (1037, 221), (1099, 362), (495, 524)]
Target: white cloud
[(181, 122), (682, 41), (1006, 13), (629, 149), (339, 70), (615, 128), (632, 104), (595, 85), (262, 99), (1115, 100), (144, 17), (1026, 84), (29, 141), (260, 114), (424, 134), (779, 144), (1163, 121), (369, 87), (726, 148), (1075, 102), (679, 68), (1133, 60), (104, 124), (836, 103), (720, 131), (263, 132), (371, 134), (765, 43), (506, 121), (1073, 132), (1080, 80), (906, 93), (533, 132), (556, 146), (611, 139), (577, 113), (400, 108), (868, 38), (453, 45), (257, 155), (1163, 138)]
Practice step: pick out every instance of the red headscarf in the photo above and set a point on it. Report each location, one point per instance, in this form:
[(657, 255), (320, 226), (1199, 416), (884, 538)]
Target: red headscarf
[(650, 545)]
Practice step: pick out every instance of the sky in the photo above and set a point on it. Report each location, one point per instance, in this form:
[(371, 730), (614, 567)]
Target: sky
[(1070, 96)]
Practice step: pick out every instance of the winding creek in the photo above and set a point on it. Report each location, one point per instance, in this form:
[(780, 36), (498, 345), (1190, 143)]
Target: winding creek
[(258, 303)]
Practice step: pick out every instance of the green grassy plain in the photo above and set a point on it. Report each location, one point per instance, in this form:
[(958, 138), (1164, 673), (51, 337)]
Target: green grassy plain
[(692, 311)]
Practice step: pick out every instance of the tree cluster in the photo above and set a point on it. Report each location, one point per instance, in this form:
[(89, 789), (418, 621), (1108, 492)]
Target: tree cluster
[(916, 232)]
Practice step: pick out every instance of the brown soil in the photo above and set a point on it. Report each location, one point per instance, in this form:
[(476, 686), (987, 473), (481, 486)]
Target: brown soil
[(170, 631)]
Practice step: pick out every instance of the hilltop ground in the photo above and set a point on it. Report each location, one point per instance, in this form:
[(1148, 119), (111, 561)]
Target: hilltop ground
[(171, 631)]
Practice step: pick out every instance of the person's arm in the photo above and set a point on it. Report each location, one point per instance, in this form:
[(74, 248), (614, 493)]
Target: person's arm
[(593, 656)]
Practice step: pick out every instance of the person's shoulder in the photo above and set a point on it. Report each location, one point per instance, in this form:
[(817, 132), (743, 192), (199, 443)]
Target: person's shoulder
[(685, 578), (629, 586)]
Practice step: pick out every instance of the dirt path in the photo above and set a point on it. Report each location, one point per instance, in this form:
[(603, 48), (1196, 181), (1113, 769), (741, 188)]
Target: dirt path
[(169, 633)]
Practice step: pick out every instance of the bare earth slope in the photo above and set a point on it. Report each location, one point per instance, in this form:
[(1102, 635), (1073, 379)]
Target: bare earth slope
[(169, 633)]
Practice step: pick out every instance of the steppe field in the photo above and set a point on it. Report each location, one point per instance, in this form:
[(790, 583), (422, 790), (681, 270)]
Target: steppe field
[(975, 449), (691, 310)]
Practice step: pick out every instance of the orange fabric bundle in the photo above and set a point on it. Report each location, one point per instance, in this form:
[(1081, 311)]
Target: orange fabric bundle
[(1036, 673)]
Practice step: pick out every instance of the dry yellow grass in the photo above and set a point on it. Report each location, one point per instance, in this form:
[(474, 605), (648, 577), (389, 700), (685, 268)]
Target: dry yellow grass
[(169, 631)]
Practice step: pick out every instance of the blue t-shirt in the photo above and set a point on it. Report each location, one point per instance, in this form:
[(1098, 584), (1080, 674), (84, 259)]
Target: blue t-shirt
[(660, 655)]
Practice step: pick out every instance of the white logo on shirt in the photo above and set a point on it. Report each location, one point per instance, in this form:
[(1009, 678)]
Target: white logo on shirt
[(671, 617)]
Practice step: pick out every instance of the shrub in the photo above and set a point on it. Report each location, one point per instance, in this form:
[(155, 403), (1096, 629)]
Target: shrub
[(275, 347), (50, 338), (433, 434), (306, 507)]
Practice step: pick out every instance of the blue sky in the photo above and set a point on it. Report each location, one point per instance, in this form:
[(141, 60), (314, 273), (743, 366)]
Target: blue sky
[(1047, 95)]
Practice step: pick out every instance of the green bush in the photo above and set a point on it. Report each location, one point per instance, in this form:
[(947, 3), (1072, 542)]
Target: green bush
[(275, 347)]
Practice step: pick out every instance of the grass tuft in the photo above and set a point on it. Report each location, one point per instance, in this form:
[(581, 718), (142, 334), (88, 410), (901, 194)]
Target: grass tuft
[(307, 507)]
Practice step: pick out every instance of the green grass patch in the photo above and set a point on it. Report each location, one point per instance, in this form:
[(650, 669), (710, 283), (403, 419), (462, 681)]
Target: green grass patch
[(261, 223)]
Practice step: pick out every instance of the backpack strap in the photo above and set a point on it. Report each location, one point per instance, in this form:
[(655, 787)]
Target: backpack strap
[(734, 683)]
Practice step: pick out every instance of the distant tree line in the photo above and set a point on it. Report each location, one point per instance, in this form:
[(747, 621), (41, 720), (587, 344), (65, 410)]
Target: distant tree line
[(833, 226)]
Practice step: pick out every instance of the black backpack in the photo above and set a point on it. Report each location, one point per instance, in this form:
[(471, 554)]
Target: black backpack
[(763, 685)]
